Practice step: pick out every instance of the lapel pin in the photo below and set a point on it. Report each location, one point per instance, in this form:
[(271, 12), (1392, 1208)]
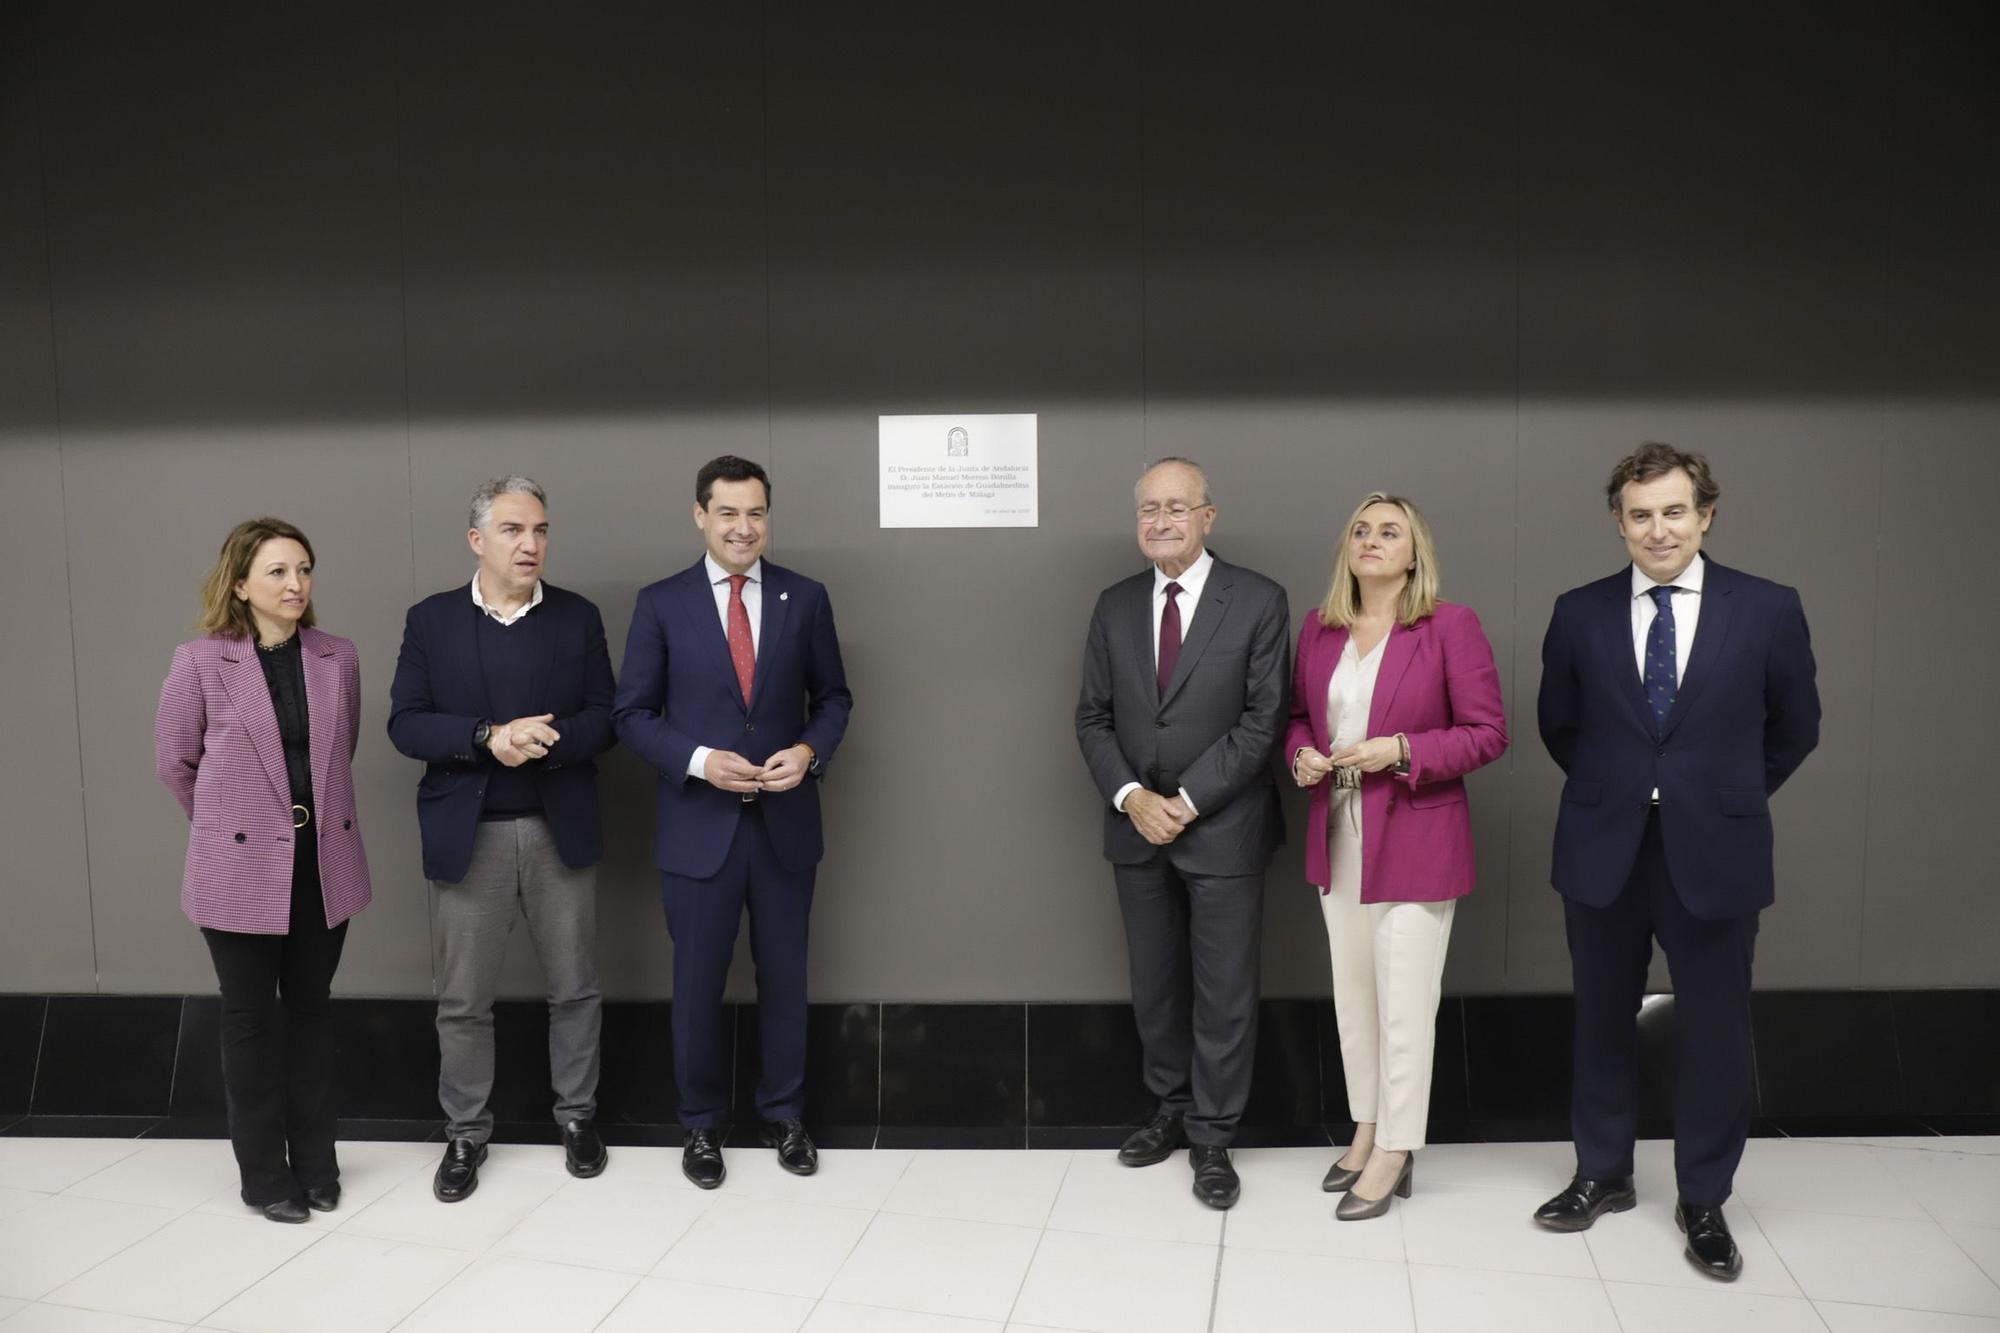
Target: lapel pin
[(784, 596)]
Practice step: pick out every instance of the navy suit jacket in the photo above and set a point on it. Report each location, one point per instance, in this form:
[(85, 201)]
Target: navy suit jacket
[(678, 691), (439, 698), (1745, 715)]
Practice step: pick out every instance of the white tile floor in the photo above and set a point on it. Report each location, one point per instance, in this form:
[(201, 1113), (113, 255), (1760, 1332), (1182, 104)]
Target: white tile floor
[(135, 1236)]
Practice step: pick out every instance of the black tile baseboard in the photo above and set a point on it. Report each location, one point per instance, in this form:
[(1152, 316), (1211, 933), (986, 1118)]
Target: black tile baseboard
[(1009, 1075)]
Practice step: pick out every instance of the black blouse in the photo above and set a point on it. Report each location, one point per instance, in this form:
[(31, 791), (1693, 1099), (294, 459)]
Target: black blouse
[(284, 672)]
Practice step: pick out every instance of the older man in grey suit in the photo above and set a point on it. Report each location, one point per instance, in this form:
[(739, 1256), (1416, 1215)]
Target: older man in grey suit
[(1182, 707)]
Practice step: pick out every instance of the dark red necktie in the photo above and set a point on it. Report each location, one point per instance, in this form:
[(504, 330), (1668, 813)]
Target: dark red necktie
[(742, 650), (1170, 637)]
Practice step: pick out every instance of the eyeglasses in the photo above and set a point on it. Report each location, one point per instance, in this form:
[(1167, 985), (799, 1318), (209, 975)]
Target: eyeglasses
[(1176, 512)]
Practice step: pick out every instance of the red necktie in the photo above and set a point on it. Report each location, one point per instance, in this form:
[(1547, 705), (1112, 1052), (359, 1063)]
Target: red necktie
[(1170, 637), (742, 651)]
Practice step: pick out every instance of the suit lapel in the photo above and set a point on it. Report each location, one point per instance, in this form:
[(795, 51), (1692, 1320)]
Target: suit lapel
[(705, 627), (1711, 628), (1208, 614), (243, 680), (1615, 640), (1397, 654), (322, 707), (777, 605), (1145, 642)]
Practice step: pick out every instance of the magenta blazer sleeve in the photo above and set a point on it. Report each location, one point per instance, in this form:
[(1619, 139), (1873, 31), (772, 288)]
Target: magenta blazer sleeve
[(217, 748), (1438, 686)]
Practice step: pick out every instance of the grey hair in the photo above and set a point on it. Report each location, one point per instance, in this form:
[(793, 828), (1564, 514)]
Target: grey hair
[(488, 492), (1207, 497)]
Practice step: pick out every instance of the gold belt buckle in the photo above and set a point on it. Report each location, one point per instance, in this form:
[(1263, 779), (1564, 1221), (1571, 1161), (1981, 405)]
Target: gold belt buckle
[(301, 816)]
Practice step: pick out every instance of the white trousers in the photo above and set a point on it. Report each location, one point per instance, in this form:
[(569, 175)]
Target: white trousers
[(1388, 970)]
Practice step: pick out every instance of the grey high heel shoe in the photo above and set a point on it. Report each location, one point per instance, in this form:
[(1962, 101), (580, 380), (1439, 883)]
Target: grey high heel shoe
[(1340, 1179), (1354, 1208)]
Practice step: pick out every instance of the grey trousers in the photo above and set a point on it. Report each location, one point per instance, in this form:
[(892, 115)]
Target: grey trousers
[(515, 871), (1196, 944)]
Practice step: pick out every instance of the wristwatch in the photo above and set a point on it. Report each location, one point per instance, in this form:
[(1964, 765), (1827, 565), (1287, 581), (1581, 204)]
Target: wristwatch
[(480, 734), (1402, 769)]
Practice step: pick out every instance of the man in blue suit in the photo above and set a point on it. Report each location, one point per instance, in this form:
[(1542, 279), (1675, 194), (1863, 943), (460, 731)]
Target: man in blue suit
[(733, 691), (1677, 696), (504, 690)]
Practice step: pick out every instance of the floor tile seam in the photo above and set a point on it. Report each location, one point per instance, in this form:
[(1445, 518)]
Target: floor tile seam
[(1945, 1226), (1215, 1280), (1022, 1286), (1127, 1235), (1706, 1284), (151, 1232), (846, 1259), (1517, 1272), (309, 1246), (138, 1146)]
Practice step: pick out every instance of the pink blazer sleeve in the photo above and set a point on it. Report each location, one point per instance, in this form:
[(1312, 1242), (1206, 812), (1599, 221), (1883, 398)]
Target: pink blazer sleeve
[(178, 727), (1478, 731)]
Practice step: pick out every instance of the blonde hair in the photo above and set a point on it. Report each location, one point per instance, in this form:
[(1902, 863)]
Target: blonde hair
[(1420, 591), (222, 611)]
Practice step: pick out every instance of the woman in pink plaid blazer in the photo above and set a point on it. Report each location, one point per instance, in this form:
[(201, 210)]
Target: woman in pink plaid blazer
[(255, 738)]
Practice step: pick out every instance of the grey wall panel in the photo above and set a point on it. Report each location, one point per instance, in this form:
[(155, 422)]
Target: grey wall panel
[(946, 236), (46, 942), (224, 273), (1931, 917), (222, 218)]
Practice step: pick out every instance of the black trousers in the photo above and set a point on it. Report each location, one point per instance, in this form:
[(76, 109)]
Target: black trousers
[(1610, 948), (1195, 943), (277, 1043)]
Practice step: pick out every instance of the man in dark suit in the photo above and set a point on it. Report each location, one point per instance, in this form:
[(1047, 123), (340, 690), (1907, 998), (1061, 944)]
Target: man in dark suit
[(1677, 695), (504, 691), (1183, 703), (733, 691)]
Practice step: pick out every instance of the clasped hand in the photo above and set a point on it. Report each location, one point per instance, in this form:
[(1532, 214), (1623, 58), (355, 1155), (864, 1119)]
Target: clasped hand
[(1158, 818), (1373, 755), (732, 772), (515, 743)]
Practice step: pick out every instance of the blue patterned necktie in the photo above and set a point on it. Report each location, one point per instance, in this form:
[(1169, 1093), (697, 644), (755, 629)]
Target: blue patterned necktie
[(1660, 650)]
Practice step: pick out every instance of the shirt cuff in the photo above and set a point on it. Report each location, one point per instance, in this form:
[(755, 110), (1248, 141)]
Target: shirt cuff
[(1118, 801), (1188, 801), (698, 762)]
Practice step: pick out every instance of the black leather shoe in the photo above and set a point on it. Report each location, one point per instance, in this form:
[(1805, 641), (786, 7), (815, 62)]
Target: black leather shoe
[(584, 1152), (1215, 1182), (1710, 1247), (1154, 1141), (323, 1198), (284, 1210), (796, 1152), (701, 1159), (1582, 1200), (458, 1174)]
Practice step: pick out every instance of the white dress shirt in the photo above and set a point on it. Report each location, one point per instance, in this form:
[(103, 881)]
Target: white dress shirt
[(1192, 580), (479, 600), (1686, 601), (753, 603)]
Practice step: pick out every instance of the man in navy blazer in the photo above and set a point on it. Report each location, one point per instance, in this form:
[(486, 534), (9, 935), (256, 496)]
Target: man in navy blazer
[(504, 690), (1677, 696), (734, 692)]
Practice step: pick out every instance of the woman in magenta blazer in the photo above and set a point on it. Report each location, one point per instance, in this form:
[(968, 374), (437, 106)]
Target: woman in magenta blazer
[(255, 738), (1395, 699)]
